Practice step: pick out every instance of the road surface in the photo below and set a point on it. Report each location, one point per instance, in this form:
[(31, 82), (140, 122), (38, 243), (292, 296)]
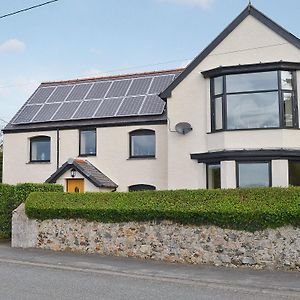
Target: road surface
[(37, 274)]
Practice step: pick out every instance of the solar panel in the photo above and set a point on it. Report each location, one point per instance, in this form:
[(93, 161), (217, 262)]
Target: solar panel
[(87, 109), (102, 98), (66, 111), (60, 94), (153, 105), (139, 86), (79, 91), (130, 106), (118, 88), (46, 112), (108, 108), (99, 90), (160, 83), (41, 95), (26, 114)]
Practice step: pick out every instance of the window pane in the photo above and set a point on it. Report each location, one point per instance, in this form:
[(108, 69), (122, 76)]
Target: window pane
[(254, 174), (258, 110), (40, 150), (218, 82), (143, 145), (286, 80), (214, 176), (88, 142), (288, 109), (294, 173), (218, 114), (251, 82)]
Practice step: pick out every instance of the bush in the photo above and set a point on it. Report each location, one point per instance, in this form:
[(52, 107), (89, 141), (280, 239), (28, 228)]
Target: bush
[(6, 196), (12, 196), (242, 209)]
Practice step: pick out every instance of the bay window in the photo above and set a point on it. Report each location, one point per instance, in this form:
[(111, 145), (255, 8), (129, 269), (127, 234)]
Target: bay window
[(254, 100)]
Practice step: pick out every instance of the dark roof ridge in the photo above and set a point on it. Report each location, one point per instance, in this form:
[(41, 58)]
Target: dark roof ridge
[(249, 10), (74, 81)]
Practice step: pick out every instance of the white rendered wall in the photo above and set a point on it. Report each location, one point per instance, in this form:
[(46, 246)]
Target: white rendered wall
[(112, 157), (250, 43), (17, 167)]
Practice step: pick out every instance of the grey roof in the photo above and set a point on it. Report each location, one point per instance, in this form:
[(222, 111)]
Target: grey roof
[(132, 96), (88, 170), (249, 10)]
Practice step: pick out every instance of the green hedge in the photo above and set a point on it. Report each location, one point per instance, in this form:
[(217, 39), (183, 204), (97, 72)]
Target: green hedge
[(12, 196), (243, 209), (6, 197)]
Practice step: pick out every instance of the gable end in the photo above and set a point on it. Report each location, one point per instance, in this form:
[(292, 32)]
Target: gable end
[(250, 10)]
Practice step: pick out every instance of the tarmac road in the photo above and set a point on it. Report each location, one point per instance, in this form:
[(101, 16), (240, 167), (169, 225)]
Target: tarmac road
[(38, 274)]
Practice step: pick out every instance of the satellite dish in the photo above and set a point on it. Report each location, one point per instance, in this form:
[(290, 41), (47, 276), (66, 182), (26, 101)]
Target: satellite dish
[(183, 128), (70, 161)]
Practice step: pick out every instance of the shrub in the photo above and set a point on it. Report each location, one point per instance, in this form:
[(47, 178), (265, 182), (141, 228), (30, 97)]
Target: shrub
[(243, 209), (23, 190), (12, 196), (6, 196)]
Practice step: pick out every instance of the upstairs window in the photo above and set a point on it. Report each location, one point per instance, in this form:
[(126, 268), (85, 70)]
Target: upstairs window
[(87, 142), (142, 143), (254, 100), (40, 149)]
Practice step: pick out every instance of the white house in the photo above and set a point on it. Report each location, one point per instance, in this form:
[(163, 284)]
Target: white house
[(239, 96)]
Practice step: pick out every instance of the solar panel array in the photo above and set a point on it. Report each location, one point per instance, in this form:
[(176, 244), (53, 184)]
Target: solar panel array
[(102, 98)]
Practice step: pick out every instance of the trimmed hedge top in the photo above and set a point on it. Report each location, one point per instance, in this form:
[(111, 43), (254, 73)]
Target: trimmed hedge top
[(243, 209)]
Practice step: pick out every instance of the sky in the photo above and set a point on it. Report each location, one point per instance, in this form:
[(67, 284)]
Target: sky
[(81, 38)]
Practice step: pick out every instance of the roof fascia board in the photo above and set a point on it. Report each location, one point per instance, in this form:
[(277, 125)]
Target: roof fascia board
[(281, 65), (63, 169), (246, 155), (66, 166), (81, 126), (250, 10)]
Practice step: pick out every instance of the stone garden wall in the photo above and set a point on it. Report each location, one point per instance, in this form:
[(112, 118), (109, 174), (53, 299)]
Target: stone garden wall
[(167, 241)]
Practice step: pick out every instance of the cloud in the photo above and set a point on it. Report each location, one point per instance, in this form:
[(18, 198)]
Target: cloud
[(202, 3), (12, 46)]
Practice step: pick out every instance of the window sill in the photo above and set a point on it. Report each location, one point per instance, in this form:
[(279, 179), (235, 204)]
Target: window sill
[(253, 129), (142, 158), (38, 162), (86, 155)]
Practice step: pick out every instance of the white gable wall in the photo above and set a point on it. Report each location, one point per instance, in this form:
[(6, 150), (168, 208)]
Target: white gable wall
[(250, 43)]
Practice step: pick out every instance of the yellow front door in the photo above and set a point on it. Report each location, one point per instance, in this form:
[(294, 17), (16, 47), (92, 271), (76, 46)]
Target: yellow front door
[(75, 185)]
